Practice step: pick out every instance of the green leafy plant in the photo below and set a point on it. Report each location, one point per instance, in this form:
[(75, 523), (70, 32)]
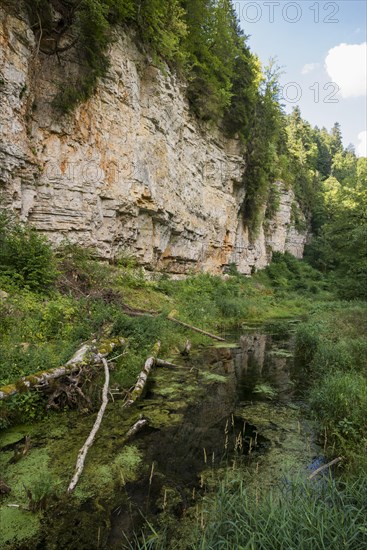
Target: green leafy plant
[(26, 258), (266, 390)]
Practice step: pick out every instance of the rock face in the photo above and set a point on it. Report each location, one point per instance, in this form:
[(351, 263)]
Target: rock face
[(130, 171)]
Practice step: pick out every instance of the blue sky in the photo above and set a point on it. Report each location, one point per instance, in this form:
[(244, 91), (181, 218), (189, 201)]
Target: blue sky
[(313, 42)]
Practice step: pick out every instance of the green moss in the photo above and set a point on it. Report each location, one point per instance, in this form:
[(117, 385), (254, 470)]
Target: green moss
[(160, 416), (17, 526), (281, 353), (12, 435), (30, 474), (127, 463), (25, 473)]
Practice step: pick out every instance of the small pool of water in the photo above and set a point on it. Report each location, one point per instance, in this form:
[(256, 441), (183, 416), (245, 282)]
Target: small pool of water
[(250, 407), (238, 403)]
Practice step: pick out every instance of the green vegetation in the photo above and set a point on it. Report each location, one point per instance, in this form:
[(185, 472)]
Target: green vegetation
[(296, 515), (41, 327), (26, 259), (333, 345), (52, 301)]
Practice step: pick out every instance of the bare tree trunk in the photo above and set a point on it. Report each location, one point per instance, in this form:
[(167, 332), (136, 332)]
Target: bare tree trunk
[(84, 450)]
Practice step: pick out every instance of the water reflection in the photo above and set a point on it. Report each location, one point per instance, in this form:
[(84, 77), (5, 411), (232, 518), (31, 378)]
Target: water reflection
[(262, 359)]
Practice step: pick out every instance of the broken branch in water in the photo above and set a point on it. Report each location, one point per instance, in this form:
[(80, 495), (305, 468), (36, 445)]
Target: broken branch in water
[(84, 450), (143, 376), (191, 327), (136, 427)]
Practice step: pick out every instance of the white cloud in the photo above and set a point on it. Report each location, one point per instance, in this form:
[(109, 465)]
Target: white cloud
[(309, 67), (346, 66), (362, 145)]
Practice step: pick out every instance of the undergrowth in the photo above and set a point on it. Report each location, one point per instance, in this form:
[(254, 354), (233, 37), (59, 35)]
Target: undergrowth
[(332, 344)]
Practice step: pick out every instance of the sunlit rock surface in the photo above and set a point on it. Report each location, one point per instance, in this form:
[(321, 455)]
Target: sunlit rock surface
[(130, 171)]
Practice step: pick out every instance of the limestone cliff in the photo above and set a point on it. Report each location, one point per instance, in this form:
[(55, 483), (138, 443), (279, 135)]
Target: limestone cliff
[(131, 170)]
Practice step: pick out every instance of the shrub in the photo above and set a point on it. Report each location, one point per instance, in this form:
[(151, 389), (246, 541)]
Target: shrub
[(26, 258)]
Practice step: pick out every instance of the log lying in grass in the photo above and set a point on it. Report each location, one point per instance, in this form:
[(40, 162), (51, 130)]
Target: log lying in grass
[(136, 312), (143, 376), (80, 358), (84, 450), (214, 336)]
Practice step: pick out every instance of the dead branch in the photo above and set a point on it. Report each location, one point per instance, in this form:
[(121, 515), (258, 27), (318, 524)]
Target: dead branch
[(325, 466), (21, 450), (84, 450), (143, 376), (174, 320), (136, 312), (43, 378), (139, 425)]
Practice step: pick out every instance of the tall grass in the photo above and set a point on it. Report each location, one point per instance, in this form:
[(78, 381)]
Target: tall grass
[(325, 515), (300, 516), (333, 346)]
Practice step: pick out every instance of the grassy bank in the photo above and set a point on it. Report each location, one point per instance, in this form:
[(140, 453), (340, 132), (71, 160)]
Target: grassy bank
[(52, 302), (294, 515), (333, 345)]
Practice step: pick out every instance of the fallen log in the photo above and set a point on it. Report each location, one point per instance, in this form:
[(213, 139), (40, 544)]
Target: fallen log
[(27, 382), (41, 378), (191, 327), (84, 450), (325, 466), (143, 376)]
